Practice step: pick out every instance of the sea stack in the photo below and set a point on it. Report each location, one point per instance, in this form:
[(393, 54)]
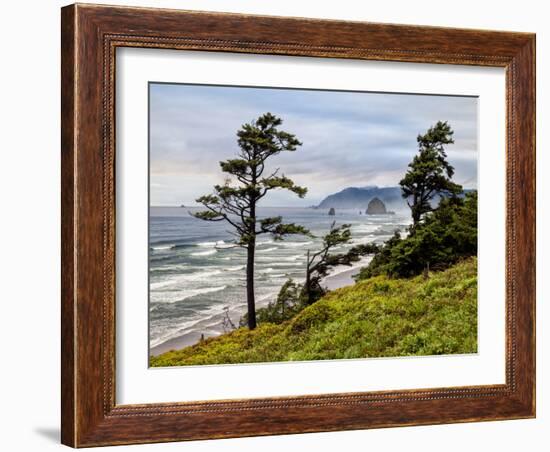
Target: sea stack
[(331, 211), (376, 207)]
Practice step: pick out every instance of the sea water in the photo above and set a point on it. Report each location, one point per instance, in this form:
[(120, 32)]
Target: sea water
[(197, 274)]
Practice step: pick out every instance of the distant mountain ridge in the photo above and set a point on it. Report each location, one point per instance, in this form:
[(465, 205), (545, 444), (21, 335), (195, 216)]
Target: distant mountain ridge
[(359, 198)]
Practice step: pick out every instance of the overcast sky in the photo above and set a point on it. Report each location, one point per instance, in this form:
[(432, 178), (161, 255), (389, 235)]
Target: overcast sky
[(349, 139)]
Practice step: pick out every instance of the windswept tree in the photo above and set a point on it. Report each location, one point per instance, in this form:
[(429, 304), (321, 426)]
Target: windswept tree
[(294, 297), (236, 201), (429, 172), (319, 263)]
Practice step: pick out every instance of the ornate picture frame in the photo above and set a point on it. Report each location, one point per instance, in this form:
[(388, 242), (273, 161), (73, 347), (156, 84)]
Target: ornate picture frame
[(90, 36)]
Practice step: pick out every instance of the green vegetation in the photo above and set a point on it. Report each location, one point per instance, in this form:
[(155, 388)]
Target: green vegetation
[(320, 262), (378, 317), (446, 235), (288, 303)]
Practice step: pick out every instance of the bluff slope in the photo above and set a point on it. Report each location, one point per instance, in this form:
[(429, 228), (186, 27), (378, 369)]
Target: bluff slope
[(377, 317)]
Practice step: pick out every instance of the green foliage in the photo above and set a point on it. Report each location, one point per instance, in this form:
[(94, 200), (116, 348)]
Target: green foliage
[(282, 229), (447, 235), (429, 172), (320, 262), (381, 260), (379, 317), (283, 182), (235, 201), (287, 304)]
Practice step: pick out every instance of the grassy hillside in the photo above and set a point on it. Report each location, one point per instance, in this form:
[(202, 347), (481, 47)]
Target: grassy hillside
[(374, 318)]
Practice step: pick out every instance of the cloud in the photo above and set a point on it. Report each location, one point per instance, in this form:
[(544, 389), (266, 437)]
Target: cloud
[(349, 138)]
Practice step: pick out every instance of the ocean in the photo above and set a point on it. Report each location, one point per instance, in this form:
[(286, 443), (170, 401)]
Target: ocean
[(197, 277)]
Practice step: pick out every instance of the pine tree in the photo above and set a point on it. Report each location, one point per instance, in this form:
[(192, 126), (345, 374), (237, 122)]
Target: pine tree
[(236, 201), (429, 172)]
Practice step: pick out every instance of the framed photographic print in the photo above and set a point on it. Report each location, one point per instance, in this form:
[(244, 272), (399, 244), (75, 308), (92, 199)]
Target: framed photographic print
[(281, 225)]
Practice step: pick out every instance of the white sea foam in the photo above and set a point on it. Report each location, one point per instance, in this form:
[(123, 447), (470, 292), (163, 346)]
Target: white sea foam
[(173, 297), (295, 244), (208, 244), (363, 240), (363, 228), (222, 245), (235, 268), (266, 270), (267, 250), (217, 244), (162, 247), (205, 253), (294, 258), (169, 268), (264, 242), (185, 278), (175, 329)]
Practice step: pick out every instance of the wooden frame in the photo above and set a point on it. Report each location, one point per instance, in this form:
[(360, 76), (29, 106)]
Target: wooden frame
[(90, 35)]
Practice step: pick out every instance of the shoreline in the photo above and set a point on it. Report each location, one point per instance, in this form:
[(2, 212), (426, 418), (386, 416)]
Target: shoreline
[(344, 278), (339, 279)]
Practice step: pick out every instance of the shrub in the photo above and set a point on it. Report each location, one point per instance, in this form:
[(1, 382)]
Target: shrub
[(287, 304), (445, 236)]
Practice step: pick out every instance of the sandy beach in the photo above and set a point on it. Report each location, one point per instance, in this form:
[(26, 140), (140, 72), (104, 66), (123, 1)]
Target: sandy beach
[(175, 344), (344, 278)]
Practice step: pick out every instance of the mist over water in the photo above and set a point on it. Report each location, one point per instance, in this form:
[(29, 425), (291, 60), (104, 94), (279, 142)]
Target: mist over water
[(195, 271)]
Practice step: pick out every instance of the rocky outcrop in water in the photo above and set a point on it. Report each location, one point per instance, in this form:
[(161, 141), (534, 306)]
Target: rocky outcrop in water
[(332, 212), (376, 207)]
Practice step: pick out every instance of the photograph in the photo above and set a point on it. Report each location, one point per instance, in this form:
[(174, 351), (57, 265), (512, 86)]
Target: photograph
[(299, 225)]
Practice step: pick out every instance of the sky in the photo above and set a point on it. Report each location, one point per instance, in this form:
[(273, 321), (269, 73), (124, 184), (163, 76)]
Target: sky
[(350, 139)]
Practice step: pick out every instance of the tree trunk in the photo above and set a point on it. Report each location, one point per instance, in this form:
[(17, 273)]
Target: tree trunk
[(415, 216), (250, 299), (251, 249), (308, 280), (415, 211)]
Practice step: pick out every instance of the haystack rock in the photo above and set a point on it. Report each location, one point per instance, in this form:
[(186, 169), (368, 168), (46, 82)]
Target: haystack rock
[(376, 207), (332, 211)]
